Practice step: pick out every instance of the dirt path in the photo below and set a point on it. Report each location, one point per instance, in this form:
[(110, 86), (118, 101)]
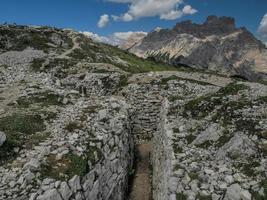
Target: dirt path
[(66, 53), (141, 187)]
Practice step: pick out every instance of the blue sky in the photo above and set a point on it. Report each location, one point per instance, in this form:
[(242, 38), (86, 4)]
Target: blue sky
[(83, 15)]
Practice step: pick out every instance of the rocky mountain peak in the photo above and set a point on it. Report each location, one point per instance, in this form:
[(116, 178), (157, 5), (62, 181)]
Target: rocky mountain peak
[(220, 20), (212, 26), (215, 45)]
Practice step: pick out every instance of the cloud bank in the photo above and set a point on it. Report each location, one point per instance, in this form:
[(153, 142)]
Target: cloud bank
[(116, 39), (103, 21), (263, 29), (164, 9)]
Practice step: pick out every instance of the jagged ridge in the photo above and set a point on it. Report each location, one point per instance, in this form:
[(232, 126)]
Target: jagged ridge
[(216, 45)]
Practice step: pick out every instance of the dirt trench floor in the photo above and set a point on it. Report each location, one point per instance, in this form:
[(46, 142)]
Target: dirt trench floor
[(141, 185)]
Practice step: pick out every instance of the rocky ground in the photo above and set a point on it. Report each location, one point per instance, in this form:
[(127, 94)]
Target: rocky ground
[(219, 143), (72, 109)]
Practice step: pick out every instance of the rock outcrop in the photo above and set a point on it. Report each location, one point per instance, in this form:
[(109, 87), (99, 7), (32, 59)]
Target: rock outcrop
[(216, 45)]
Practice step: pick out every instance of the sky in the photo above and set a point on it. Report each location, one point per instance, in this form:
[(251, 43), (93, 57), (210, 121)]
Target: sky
[(107, 17)]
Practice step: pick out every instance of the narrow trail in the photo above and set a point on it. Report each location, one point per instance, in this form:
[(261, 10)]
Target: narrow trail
[(66, 53), (141, 186)]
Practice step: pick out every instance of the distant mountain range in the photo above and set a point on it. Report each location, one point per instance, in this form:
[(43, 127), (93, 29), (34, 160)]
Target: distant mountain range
[(216, 45)]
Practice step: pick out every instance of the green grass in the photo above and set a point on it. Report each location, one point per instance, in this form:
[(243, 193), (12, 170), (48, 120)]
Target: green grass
[(22, 123), (164, 81), (225, 138), (205, 144), (264, 149), (70, 165), (264, 185), (202, 106), (249, 168), (262, 99), (190, 138), (123, 81), (103, 53), (45, 99), (72, 126), (177, 149), (193, 175), (175, 98), (257, 196), (232, 89), (64, 169), (20, 129), (201, 197), (181, 196), (24, 37), (37, 64)]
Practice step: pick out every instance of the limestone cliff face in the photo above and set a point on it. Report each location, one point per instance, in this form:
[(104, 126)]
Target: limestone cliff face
[(216, 45), (132, 40)]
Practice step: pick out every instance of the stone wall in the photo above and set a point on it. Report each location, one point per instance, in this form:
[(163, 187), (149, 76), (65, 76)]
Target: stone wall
[(108, 179), (145, 101), (94, 84), (161, 158)]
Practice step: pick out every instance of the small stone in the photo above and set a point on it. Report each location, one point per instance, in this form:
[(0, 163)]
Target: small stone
[(245, 195), (2, 138), (57, 184), (50, 195), (65, 191), (229, 179), (209, 171), (34, 164), (75, 184), (33, 196)]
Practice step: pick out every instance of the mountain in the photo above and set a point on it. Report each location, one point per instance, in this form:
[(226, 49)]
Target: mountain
[(216, 45), (73, 113), (133, 39)]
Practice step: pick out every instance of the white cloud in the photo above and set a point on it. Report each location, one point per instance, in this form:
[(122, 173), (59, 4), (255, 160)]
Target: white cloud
[(263, 29), (189, 10), (96, 37), (103, 21), (116, 39), (165, 9), (173, 14)]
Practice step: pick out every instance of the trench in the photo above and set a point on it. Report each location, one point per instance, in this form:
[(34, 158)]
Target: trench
[(140, 183)]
